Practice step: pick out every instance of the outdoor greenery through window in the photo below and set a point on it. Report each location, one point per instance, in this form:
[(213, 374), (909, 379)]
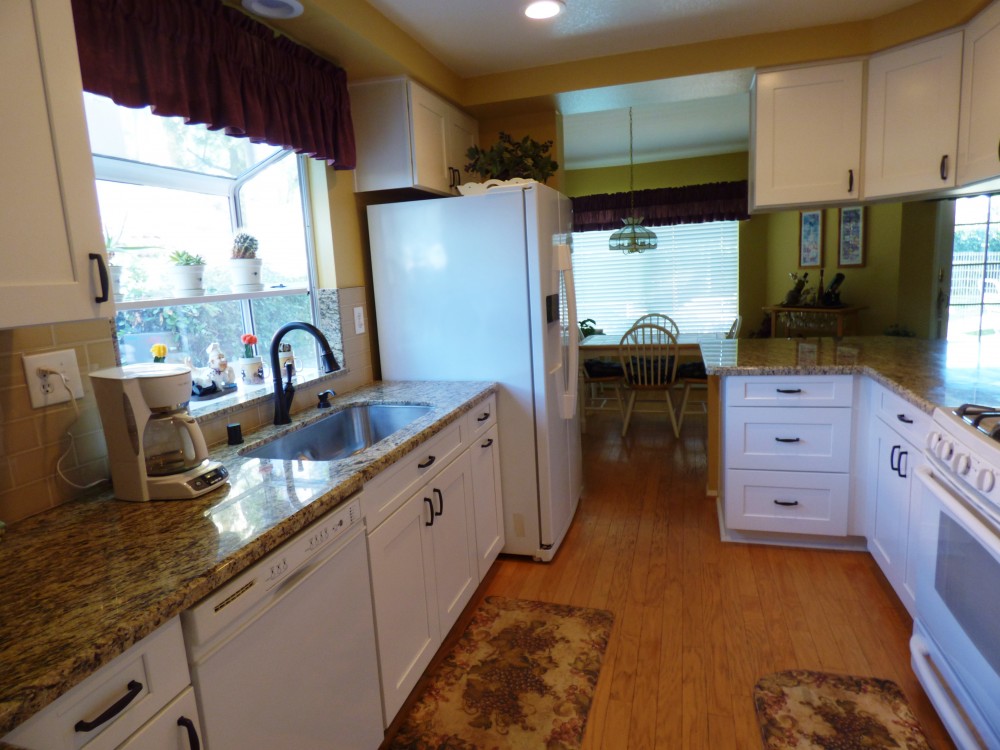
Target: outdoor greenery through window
[(692, 276), (974, 306), (166, 186)]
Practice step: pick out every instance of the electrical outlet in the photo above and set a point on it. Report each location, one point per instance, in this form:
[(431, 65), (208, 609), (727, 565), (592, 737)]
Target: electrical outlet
[(359, 320), (46, 390)]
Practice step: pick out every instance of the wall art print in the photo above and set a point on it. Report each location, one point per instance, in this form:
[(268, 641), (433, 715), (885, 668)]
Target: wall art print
[(811, 239), (852, 237)]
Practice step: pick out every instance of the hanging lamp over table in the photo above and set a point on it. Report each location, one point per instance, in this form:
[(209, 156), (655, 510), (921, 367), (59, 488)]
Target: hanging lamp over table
[(633, 237)]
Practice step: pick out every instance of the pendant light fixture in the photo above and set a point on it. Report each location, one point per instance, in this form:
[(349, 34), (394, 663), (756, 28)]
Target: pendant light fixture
[(633, 237)]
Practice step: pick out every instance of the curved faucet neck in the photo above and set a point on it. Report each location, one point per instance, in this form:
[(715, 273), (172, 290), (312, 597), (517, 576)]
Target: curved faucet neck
[(283, 394)]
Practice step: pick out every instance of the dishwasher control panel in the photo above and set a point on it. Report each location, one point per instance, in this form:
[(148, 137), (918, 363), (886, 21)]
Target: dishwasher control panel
[(232, 600)]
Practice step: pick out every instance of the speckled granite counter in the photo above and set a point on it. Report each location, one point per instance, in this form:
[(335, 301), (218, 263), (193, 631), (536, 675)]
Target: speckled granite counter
[(86, 580), (926, 373)]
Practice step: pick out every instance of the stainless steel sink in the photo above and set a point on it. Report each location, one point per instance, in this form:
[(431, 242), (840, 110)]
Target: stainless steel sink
[(341, 434)]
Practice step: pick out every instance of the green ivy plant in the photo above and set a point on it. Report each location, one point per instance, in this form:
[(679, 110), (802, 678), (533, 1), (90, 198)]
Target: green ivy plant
[(507, 158), (184, 258), (588, 326)]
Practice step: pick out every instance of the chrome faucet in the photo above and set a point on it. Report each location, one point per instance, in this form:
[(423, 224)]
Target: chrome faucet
[(283, 395)]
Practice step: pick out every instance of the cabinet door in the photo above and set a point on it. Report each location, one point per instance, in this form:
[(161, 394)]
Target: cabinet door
[(912, 120), (456, 570), (890, 522), (176, 727), (909, 583), (462, 133), (487, 499), (807, 135), (429, 137), (979, 124), (48, 200), (402, 563)]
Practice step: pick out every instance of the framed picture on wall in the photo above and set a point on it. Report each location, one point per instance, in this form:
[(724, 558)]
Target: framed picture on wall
[(852, 237), (811, 239)]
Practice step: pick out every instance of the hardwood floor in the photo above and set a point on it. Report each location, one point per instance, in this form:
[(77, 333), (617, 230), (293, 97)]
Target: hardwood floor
[(699, 621)]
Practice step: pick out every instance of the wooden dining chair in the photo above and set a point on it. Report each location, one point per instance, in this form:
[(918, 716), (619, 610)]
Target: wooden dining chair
[(660, 319), (693, 377), (649, 356)]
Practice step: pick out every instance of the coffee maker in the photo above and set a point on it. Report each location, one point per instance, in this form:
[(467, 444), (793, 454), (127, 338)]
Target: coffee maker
[(156, 449)]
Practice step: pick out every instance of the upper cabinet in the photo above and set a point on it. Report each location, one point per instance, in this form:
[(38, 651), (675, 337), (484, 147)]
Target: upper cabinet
[(912, 118), (408, 137), (979, 124), (806, 140), (48, 200)]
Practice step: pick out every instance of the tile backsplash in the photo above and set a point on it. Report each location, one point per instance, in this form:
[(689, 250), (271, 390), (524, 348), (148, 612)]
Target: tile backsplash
[(32, 441)]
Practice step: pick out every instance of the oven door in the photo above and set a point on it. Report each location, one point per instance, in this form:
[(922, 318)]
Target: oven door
[(956, 642)]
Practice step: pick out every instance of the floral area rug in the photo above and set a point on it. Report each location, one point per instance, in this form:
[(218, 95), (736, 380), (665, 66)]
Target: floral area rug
[(799, 709), (521, 676)]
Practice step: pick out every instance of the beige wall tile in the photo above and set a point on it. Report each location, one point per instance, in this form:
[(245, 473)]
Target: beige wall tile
[(82, 331), (28, 339), (19, 436), (26, 500)]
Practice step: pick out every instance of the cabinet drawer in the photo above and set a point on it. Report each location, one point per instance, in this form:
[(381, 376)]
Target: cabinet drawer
[(391, 487), (788, 439), (789, 502), (481, 418), (908, 420), (155, 670), (778, 390)]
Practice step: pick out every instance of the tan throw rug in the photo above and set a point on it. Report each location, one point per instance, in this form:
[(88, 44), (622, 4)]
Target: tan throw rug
[(521, 676), (800, 710)]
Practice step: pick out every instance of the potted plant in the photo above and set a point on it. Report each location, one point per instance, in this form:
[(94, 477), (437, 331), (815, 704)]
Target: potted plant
[(251, 365), (588, 327), (188, 273), (244, 265), (509, 159)]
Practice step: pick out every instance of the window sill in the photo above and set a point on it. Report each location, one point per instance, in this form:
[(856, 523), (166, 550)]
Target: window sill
[(255, 395), (137, 304)]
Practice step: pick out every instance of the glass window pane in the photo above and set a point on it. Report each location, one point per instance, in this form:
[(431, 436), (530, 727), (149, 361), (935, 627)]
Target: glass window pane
[(187, 330), (963, 322), (966, 285), (270, 313), (970, 244), (271, 210), (972, 210), (139, 135), (993, 248)]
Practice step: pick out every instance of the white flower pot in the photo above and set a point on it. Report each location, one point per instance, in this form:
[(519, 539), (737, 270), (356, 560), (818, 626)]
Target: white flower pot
[(245, 273), (188, 281), (251, 370), (116, 282)]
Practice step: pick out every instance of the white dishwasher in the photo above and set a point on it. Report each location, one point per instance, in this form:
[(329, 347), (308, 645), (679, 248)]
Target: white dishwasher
[(283, 655)]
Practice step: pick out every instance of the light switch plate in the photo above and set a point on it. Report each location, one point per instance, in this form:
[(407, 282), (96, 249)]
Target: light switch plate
[(49, 390), (359, 320)]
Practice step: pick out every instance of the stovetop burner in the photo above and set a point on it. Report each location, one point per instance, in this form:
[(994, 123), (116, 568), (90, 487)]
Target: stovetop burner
[(986, 419)]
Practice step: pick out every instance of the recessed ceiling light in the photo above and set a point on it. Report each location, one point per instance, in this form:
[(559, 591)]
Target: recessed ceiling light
[(544, 8), (274, 8)]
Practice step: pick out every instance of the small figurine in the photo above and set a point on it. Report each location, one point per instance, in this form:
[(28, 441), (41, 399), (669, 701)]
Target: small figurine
[(221, 372)]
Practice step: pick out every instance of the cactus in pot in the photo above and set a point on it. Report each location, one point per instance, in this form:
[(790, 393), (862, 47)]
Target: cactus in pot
[(244, 264)]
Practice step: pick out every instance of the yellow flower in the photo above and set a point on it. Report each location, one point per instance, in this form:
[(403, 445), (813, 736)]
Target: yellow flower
[(159, 352)]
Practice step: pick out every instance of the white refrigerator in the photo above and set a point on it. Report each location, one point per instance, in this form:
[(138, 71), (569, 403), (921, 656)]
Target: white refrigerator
[(480, 287)]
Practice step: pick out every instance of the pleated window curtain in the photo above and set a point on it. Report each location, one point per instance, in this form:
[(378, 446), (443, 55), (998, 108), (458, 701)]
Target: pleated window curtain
[(213, 65), (692, 204)]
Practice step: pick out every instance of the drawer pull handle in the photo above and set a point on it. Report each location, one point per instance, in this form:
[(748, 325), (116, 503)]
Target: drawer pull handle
[(850, 180), (788, 390), (425, 464), (440, 495), (431, 505), (192, 733), (904, 419), (102, 272), (134, 688), (786, 503), (483, 418), (788, 440), (944, 167), (487, 444)]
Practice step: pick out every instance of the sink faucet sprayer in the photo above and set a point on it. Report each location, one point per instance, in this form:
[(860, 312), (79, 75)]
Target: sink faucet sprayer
[(283, 396)]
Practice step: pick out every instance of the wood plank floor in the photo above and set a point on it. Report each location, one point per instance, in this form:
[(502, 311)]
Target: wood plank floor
[(698, 621)]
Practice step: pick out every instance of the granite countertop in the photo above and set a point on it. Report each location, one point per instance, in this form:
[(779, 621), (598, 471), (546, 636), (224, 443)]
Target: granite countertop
[(928, 373), (86, 580)]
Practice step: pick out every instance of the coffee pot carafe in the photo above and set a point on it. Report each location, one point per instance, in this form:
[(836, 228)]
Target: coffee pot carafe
[(156, 449)]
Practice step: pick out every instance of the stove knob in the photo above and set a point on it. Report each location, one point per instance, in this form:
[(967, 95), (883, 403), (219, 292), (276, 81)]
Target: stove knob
[(962, 464), (933, 438), (945, 450), (985, 480)]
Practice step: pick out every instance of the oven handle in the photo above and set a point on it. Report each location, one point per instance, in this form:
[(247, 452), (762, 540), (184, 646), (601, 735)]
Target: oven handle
[(950, 715), (979, 529)]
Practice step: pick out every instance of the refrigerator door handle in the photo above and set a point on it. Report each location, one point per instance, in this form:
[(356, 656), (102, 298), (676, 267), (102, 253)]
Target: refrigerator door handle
[(564, 259)]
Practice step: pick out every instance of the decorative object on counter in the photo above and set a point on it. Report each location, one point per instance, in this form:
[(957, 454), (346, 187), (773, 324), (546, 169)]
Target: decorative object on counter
[(794, 295), (588, 327), (508, 159), (830, 297), (251, 365), (521, 675), (633, 237), (803, 709), (244, 265), (811, 239), (188, 273), (159, 352), (221, 372), (852, 237)]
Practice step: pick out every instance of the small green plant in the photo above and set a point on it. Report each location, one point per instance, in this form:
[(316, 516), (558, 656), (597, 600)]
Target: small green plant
[(244, 246), (588, 326), (184, 258), (507, 158)]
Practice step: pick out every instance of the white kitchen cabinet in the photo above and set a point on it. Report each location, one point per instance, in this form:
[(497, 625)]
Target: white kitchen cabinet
[(911, 135), (123, 699), (806, 139), (48, 199), (979, 122), (174, 728), (487, 498), (407, 136)]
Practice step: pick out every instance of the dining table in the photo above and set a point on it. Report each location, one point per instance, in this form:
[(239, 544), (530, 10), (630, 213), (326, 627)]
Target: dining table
[(604, 345)]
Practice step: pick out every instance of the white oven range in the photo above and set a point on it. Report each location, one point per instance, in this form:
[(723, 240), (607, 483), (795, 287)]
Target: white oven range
[(955, 648)]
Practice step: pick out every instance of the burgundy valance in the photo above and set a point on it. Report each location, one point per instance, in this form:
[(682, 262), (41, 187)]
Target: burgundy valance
[(693, 204), (211, 64)]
